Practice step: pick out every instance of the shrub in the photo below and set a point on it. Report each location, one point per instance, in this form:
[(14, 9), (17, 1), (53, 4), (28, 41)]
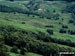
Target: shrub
[(71, 21), (23, 22), (71, 32), (50, 31), (49, 26), (62, 31), (64, 26)]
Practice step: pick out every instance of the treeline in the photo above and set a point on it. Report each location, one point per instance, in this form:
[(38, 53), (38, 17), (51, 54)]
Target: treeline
[(48, 38)]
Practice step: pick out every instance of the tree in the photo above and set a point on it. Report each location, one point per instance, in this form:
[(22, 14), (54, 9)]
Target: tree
[(14, 49)]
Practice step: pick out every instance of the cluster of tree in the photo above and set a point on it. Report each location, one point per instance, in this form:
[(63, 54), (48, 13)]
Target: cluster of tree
[(33, 43), (43, 36), (14, 49), (47, 38), (70, 8), (67, 31)]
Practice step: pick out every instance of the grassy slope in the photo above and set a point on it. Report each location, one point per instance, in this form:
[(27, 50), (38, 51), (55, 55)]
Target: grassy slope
[(28, 27), (6, 21), (34, 24)]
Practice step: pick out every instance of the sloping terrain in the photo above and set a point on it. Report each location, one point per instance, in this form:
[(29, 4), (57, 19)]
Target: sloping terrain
[(42, 27)]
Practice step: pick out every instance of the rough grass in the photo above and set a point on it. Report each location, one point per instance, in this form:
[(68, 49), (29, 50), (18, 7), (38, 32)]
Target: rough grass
[(36, 24), (6, 21)]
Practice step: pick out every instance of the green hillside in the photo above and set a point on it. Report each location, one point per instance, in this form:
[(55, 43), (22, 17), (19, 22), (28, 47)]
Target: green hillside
[(36, 28)]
